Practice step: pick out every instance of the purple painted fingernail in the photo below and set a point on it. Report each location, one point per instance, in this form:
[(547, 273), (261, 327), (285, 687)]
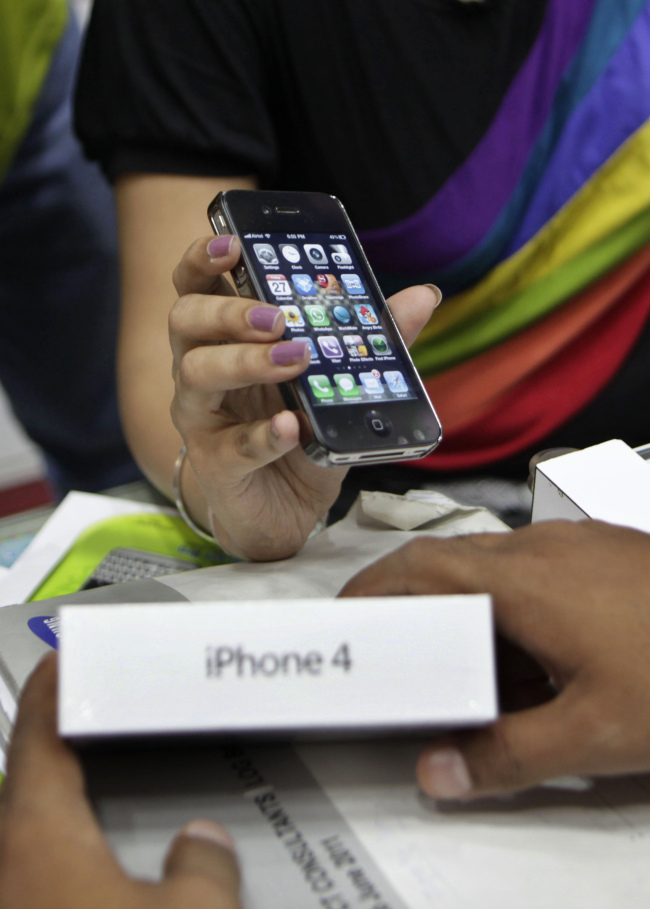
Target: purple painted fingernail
[(220, 246), (263, 318), (289, 353)]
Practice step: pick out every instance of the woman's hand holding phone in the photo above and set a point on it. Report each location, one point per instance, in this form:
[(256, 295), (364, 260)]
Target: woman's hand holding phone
[(264, 494)]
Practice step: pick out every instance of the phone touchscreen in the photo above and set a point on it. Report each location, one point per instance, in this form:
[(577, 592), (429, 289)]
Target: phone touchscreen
[(327, 300)]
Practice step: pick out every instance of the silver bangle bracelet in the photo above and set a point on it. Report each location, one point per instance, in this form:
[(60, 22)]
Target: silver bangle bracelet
[(180, 504)]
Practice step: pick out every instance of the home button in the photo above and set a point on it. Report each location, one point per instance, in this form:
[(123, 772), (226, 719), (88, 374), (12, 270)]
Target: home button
[(378, 423)]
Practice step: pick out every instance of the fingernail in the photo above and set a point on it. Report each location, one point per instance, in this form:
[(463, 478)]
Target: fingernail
[(288, 353), (274, 427), (263, 318), (220, 246), (437, 292), (208, 830), (443, 774)]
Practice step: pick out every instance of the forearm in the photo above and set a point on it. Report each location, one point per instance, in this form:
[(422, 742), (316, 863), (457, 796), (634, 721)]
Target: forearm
[(159, 216)]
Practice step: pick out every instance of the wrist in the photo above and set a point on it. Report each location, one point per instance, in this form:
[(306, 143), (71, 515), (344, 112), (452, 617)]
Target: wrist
[(180, 501)]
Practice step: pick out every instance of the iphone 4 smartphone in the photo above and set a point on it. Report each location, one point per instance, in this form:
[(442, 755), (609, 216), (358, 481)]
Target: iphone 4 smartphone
[(361, 397)]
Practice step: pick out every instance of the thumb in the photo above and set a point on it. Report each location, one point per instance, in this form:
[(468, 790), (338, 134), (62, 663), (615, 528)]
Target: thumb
[(517, 751), (201, 867), (412, 309)]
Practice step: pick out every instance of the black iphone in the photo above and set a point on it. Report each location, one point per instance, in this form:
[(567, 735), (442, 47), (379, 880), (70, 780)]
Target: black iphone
[(363, 398)]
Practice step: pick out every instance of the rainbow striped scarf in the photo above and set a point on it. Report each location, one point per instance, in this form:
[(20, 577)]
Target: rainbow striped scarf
[(554, 197)]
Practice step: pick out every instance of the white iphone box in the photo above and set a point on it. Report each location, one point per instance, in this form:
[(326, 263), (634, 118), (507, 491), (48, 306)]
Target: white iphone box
[(607, 482), (334, 667)]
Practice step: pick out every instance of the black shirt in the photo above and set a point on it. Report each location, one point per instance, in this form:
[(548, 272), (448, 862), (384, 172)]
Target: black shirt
[(374, 101)]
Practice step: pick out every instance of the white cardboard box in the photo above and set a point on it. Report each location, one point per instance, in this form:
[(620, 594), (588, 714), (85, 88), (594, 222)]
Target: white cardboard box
[(348, 666), (607, 482)]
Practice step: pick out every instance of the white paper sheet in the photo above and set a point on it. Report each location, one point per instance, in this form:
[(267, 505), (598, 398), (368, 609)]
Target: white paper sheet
[(330, 559)]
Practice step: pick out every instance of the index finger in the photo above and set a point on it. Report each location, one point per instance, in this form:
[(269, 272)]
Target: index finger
[(204, 265), (511, 567), (427, 566)]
